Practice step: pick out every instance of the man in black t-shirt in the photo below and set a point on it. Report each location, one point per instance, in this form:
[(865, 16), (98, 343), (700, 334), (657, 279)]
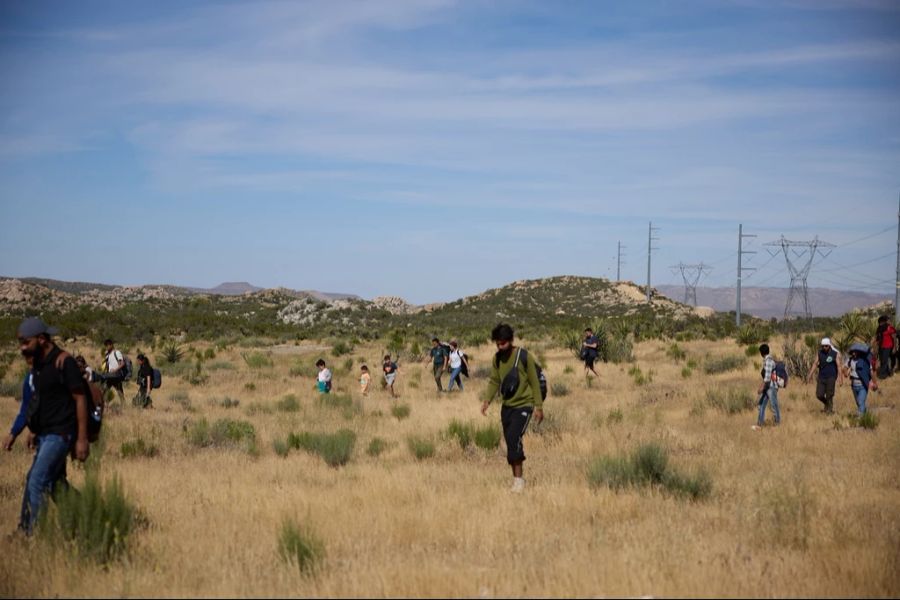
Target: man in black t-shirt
[(57, 417), (590, 349)]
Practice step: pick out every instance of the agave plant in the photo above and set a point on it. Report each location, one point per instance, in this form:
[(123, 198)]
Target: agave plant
[(856, 327)]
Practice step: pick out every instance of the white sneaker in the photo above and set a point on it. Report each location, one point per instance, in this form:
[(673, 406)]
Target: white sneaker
[(756, 428), (518, 485)]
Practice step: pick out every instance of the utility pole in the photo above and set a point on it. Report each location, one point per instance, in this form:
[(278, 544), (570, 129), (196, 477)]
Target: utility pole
[(619, 262), (897, 288), (741, 252), (799, 273), (650, 249), (691, 275)]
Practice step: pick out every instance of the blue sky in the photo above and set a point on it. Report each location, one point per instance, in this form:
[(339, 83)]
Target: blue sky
[(433, 149)]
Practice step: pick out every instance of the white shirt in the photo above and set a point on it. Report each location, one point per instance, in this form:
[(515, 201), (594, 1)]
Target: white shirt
[(112, 361), (324, 375), (455, 359)]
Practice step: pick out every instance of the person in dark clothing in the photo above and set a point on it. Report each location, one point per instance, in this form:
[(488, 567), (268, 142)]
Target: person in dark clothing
[(439, 358), (827, 362), (145, 383), (590, 350), (57, 417)]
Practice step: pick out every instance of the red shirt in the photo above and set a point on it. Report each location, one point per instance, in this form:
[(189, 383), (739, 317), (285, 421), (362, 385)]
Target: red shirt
[(887, 338)]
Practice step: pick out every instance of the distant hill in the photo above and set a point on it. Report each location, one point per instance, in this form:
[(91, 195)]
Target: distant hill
[(768, 302)]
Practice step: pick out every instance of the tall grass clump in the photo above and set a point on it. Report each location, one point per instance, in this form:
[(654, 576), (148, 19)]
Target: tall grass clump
[(400, 411), (256, 360), (488, 437), (335, 449), (730, 400), (223, 433), (867, 420), (647, 467), (376, 447), (299, 546), (288, 403), (96, 520), (723, 364), (138, 448), (420, 447), (463, 432), (341, 348), (786, 510), (676, 353), (558, 388)]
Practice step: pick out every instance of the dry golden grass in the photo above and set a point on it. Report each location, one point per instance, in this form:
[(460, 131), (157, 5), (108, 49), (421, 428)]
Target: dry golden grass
[(801, 510)]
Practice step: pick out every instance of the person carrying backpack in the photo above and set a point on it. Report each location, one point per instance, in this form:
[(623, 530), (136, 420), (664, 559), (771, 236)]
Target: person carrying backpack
[(827, 363), (457, 360), (114, 363), (768, 389), (439, 355), (57, 417), (590, 350), (390, 373), (145, 383), (514, 376), (858, 368)]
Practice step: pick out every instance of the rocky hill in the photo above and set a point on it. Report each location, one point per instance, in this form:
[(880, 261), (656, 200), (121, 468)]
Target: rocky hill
[(148, 311)]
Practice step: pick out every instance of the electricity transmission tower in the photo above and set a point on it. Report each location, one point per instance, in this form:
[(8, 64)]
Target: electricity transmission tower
[(650, 249), (619, 256), (799, 257), (691, 275)]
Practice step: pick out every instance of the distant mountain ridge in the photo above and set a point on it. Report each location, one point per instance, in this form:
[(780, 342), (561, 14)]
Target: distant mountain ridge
[(768, 302), (228, 288)]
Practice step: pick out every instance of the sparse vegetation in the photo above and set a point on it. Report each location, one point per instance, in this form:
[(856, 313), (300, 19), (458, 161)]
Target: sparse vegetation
[(400, 411), (488, 437), (336, 449), (730, 400), (300, 547), (647, 466), (723, 364), (376, 447), (420, 447)]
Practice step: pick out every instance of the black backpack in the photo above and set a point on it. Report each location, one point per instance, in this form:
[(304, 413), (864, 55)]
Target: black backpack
[(93, 397), (156, 379), (511, 381)]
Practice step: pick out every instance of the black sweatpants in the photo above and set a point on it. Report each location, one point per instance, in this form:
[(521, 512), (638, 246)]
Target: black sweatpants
[(515, 422)]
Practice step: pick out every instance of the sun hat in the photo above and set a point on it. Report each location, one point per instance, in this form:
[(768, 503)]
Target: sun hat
[(826, 342)]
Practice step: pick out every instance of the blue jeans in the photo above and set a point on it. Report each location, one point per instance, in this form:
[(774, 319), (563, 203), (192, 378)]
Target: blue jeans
[(860, 392), (454, 377), (47, 471), (769, 395)]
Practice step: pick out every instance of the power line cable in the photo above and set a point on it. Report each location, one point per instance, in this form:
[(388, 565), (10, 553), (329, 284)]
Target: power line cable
[(868, 237)]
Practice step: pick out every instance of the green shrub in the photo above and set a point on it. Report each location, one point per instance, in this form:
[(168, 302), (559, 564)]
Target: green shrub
[(730, 400), (98, 521), (257, 360), (255, 408), (868, 420), (400, 411), (138, 448), (336, 449), (488, 437), (341, 348), (686, 372), (171, 352), (222, 433), (676, 353), (299, 546), (181, 398), (639, 377), (376, 447), (463, 432), (615, 416), (558, 388), (420, 448), (569, 370), (723, 364), (250, 386), (647, 466), (281, 448), (228, 402), (197, 376), (288, 403), (752, 333)]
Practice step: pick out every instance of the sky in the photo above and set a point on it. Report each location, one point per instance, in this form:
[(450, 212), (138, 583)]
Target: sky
[(433, 149)]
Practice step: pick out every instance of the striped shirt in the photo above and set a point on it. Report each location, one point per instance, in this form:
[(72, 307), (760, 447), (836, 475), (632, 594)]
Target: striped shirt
[(768, 367)]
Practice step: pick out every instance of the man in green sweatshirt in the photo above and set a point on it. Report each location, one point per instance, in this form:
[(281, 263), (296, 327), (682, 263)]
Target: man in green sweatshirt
[(519, 401)]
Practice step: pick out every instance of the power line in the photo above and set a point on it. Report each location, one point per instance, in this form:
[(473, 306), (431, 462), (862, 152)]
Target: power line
[(868, 237)]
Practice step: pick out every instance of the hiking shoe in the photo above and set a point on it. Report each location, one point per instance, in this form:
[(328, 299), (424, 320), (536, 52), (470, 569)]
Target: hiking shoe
[(756, 427), (518, 485)]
